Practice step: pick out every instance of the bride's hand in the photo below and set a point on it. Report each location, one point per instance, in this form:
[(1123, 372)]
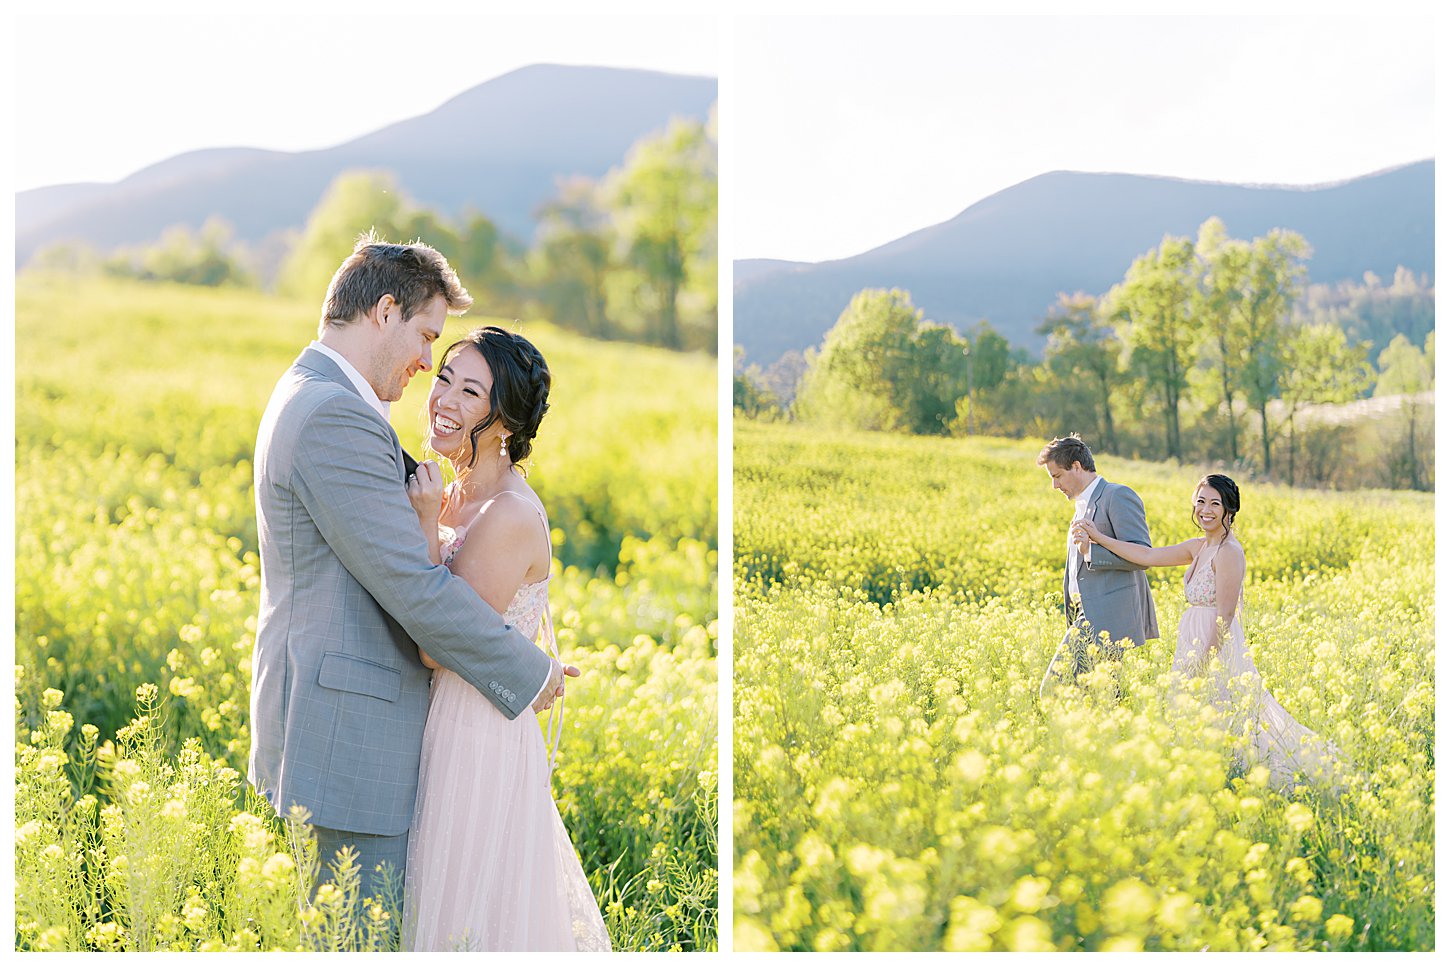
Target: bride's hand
[(1086, 530), (425, 492)]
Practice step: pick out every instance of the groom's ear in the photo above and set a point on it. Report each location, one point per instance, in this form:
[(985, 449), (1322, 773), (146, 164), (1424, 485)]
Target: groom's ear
[(385, 306)]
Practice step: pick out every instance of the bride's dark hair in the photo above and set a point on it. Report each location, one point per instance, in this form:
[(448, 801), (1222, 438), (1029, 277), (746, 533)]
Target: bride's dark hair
[(519, 396), (1228, 492)]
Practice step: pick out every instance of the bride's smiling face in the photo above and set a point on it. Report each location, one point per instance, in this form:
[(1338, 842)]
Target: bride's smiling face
[(458, 403), (1208, 509)]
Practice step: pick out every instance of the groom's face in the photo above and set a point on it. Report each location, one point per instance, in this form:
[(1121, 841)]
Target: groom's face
[(1069, 480), (407, 346)]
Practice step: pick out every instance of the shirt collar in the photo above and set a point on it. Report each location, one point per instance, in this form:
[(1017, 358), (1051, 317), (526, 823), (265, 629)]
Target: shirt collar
[(364, 388), (1087, 492)]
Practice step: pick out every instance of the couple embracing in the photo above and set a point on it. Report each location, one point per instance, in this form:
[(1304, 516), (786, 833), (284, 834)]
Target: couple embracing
[(398, 673), (1109, 607)]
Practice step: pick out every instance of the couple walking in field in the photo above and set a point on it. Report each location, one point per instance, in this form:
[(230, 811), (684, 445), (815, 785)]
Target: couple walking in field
[(1108, 605), (397, 672)]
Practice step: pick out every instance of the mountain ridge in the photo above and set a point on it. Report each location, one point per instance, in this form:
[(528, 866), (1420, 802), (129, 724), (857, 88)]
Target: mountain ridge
[(1006, 256), (499, 147)]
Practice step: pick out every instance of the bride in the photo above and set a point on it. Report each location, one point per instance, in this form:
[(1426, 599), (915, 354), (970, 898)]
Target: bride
[(1211, 636), (490, 865)]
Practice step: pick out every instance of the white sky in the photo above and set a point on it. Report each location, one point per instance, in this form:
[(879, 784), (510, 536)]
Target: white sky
[(100, 96), (851, 132)]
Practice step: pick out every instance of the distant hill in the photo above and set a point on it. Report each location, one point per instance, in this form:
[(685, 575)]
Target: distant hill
[(498, 148), (1007, 257)]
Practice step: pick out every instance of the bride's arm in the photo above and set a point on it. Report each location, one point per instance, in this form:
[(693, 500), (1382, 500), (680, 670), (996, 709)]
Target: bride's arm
[(425, 493), (1228, 584), (1169, 556)]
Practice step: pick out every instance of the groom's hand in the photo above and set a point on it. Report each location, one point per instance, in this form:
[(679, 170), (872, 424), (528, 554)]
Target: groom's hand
[(554, 686)]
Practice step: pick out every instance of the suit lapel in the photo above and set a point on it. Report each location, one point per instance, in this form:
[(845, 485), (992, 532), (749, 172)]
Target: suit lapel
[(326, 367), (1092, 515), (1096, 501)]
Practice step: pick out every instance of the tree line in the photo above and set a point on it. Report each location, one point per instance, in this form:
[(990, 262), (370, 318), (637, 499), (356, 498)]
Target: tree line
[(1210, 349), (630, 256)]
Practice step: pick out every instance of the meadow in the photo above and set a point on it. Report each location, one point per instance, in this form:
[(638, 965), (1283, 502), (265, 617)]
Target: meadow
[(907, 790), (136, 593)]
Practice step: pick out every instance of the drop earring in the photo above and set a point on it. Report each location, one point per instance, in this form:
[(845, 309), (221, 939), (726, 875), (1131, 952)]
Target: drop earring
[(503, 446)]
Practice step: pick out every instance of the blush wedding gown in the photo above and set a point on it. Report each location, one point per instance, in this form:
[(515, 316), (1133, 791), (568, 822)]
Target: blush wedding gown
[(490, 865), (1272, 737)]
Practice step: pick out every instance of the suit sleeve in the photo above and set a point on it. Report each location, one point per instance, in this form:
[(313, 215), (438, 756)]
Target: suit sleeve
[(1129, 523), (348, 481)]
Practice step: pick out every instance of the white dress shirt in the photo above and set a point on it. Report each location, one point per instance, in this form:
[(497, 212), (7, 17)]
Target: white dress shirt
[(369, 395), (1073, 557)]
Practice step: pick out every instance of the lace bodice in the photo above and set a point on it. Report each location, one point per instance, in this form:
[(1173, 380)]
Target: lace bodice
[(1198, 583)]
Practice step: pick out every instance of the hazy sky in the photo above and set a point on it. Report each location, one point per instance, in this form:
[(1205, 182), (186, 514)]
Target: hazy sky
[(100, 97), (851, 132)]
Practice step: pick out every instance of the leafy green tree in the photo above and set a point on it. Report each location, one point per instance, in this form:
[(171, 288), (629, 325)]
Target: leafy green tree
[(1407, 371), (355, 202), (181, 255), (1224, 266), (1373, 310), (66, 258), (573, 259), (940, 360), (489, 263), (663, 202), (989, 358), (1272, 280), (1084, 353), (752, 396), (1320, 366), (1153, 306), (882, 367)]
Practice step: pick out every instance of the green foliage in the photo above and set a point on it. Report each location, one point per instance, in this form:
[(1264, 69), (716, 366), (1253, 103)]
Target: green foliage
[(1404, 368), (1084, 355), (750, 394), (908, 791), (663, 206), (136, 563), (572, 259), (208, 258), (882, 367), (1154, 304), (1373, 311), (355, 203)]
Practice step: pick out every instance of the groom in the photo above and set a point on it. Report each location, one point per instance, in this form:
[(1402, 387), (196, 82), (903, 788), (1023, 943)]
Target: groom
[(1105, 597), (339, 696)]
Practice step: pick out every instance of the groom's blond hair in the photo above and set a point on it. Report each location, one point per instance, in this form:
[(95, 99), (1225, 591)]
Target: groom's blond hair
[(412, 274)]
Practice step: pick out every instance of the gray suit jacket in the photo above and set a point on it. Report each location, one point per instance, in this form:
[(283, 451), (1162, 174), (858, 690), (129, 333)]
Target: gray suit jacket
[(1115, 594), (339, 696)]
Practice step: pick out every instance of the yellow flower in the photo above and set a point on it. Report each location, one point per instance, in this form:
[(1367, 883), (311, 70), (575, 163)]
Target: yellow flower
[(1028, 933), (1339, 927), (1029, 893), (1128, 905), (971, 765), (1299, 817), (1307, 909), (971, 925), (278, 865)]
